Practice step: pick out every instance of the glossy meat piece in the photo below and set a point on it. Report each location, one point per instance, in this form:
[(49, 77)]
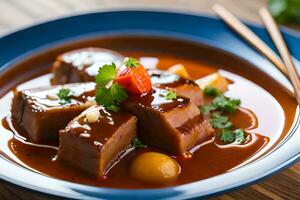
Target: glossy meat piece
[(94, 147), (81, 65), (182, 87), (172, 125), (41, 114)]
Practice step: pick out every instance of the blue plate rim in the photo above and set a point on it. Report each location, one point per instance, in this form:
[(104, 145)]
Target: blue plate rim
[(191, 13)]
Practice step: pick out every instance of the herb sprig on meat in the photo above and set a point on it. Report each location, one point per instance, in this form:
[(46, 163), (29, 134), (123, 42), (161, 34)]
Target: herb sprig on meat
[(64, 95), (108, 93)]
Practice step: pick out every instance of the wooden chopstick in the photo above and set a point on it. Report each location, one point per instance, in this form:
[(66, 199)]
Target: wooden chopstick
[(260, 45), (249, 36), (280, 44)]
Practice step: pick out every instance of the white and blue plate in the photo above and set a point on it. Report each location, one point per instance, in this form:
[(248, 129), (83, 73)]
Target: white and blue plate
[(200, 29)]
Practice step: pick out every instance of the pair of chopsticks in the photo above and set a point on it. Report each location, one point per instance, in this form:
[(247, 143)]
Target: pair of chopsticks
[(285, 64)]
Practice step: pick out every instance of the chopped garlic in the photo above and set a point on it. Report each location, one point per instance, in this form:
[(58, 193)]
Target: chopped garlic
[(125, 59), (109, 84), (85, 135), (93, 116), (215, 80), (180, 70), (52, 97), (91, 101)]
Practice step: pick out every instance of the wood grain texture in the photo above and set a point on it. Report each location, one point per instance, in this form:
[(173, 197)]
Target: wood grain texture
[(15, 14)]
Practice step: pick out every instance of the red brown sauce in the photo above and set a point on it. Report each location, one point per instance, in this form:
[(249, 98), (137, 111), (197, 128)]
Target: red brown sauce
[(207, 160), (156, 100)]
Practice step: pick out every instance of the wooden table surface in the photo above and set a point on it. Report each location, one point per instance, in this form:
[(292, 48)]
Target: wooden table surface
[(19, 13)]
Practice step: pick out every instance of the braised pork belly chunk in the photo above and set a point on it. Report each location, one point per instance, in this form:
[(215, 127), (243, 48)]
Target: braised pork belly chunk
[(96, 139), (172, 124), (181, 86), (43, 111), (81, 65)]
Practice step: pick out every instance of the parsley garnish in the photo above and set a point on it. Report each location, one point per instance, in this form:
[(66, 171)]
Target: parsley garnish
[(137, 143), (219, 121), (229, 136), (109, 94), (64, 95), (221, 105), (106, 73), (131, 62), (220, 102), (206, 109), (170, 95), (211, 91), (239, 136), (226, 104)]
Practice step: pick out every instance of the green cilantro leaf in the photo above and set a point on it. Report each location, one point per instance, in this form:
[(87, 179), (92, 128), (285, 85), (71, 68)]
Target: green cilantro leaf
[(206, 109), (137, 143), (106, 73), (239, 136), (219, 121), (103, 96), (118, 92), (131, 62), (226, 104), (227, 136), (113, 108), (219, 106), (170, 95), (211, 91), (111, 97), (64, 95)]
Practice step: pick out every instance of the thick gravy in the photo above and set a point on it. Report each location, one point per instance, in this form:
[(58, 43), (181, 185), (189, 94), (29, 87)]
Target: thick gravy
[(266, 114)]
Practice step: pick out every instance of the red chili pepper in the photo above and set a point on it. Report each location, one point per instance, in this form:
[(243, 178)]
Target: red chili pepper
[(135, 80)]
